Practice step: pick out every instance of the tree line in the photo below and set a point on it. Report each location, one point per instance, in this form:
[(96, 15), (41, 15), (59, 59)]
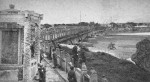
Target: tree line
[(72, 24)]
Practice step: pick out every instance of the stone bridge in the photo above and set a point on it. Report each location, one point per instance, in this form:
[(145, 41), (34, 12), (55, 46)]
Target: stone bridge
[(50, 39), (51, 36)]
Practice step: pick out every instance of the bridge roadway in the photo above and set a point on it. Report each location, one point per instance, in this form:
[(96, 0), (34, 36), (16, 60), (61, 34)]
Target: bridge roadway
[(53, 75)]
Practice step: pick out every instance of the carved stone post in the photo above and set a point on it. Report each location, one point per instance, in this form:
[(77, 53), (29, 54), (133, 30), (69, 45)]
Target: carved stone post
[(60, 62), (93, 76), (65, 64), (37, 43), (84, 68), (27, 53), (58, 56), (84, 71)]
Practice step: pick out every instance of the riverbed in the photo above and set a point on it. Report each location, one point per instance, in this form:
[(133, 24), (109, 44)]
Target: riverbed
[(125, 44)]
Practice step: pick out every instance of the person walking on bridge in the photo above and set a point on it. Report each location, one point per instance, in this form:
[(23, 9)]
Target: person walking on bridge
[(72, 75), (54, 55), (42, 72), (41, 53), (75, 56), (82, 57)]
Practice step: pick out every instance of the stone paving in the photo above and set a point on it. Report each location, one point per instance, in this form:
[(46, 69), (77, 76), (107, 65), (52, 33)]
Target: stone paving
[(51, 74)]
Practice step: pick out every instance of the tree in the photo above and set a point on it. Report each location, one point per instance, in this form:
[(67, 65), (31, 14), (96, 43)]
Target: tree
[(113, 24), (47, 25), (83, 23), (131, 23)]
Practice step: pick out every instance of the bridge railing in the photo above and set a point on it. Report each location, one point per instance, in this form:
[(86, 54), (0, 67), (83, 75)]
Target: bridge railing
[(56, 32)]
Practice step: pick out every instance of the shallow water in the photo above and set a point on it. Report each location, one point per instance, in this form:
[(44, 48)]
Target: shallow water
[(125, 44)]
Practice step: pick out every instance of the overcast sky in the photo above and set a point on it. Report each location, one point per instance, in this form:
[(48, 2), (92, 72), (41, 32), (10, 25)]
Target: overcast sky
[(68, 11)]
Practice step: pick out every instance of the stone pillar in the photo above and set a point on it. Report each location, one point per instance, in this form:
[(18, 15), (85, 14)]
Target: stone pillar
[(58, 56), (27, 54), (84, 71), (93, 76), (37, 43), (65, 65)]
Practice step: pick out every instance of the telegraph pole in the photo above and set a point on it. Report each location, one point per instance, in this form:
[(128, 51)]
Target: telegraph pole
[(80, 16)]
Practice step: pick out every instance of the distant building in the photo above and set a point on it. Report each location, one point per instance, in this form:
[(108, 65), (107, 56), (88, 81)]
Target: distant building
[(143, 28), (19, 45)]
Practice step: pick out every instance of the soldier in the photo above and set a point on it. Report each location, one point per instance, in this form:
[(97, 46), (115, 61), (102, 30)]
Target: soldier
[(54, 58), (72, 75), (32, 47), (42, 73), (41, 52), (82, 58), (50, 54), (75, 56)]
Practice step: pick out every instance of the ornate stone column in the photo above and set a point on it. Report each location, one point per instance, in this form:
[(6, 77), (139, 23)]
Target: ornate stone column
[(27, 53), (84, 71), (37, 43)]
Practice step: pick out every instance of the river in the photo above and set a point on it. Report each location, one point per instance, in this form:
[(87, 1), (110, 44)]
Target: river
[(125, 43)]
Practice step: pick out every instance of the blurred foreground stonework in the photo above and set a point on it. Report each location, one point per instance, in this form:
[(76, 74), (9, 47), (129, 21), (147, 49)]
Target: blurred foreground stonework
[(19, 44), (142, 55)]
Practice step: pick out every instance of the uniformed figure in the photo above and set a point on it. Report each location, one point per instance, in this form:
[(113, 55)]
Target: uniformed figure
[(54, 58), (72, 75), (50, 54), (42, 73), (32, 47), (41, 52), (82, 58), (104, 79), (75, 56)]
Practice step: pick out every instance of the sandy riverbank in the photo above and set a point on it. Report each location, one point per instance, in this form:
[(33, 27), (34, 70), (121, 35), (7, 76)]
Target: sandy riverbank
[(125, 45), (139, 34)]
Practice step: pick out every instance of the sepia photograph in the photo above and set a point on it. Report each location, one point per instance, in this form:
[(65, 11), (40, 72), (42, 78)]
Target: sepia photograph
[(74, 41)]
